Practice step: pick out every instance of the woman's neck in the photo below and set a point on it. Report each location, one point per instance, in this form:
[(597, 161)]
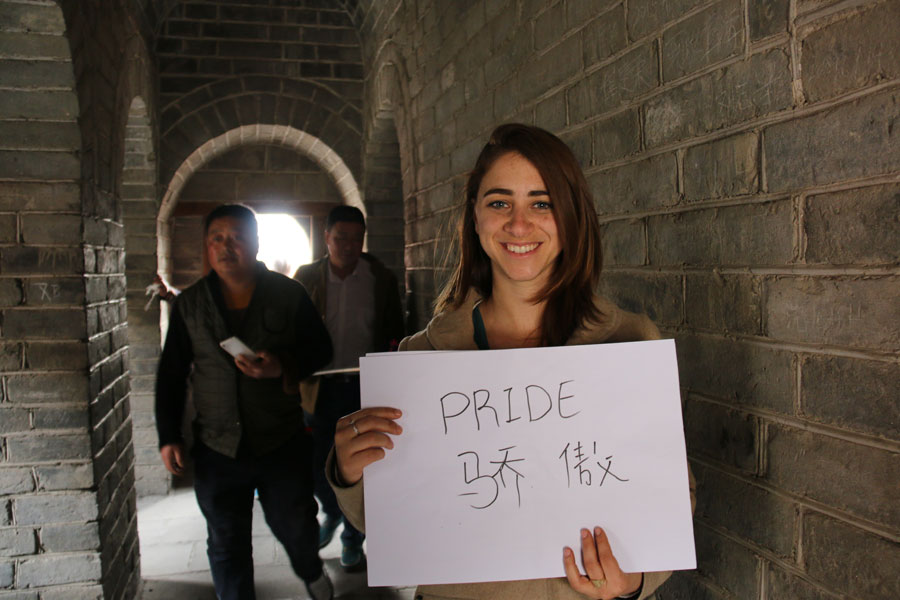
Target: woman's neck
[(511, 319)]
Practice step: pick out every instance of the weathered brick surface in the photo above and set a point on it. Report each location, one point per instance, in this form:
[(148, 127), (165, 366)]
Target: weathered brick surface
[(852, 312), (858, 227), (786, 586), (829, 65), (737, 93), (846, 142), (744, 373), (648, 184), (658, 296), (758, 234), (723, 434), (867, 560), (728, 564), (624, 243), (768, 17), (826, 460), (56, 570), (17, 541), (723, 168), (645, 16), (707, 37), (851, 393), (633, 74), (746, 510), (718, 302)]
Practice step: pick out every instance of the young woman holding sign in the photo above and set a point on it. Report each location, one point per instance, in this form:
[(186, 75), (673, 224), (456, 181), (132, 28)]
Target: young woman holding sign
[(529, 266)]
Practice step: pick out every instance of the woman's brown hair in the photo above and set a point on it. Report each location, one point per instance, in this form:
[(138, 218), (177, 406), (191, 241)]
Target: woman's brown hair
[(569, 293)]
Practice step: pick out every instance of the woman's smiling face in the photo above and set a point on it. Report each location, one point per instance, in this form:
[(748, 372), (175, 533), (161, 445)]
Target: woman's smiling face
[(515, 222)]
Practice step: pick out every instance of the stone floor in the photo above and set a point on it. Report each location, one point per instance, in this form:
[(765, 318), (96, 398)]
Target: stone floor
[(174, 567)]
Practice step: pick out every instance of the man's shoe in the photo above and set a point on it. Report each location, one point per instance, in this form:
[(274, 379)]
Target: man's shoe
[(327, 529), (352, 558), (321, 588)]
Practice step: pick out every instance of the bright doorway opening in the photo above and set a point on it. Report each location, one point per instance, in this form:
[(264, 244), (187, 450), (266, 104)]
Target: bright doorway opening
[(284, 245)]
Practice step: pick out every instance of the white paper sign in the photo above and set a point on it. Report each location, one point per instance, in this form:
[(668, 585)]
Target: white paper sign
[(506, 454)]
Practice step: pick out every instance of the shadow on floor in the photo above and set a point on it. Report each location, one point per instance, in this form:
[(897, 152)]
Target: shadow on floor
[(172, 535)]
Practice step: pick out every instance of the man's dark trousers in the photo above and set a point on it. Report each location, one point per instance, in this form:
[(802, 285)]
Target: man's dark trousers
[(225, 488), (338, 396)]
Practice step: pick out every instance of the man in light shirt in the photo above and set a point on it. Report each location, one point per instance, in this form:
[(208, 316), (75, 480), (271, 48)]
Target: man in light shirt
[(359, 300)]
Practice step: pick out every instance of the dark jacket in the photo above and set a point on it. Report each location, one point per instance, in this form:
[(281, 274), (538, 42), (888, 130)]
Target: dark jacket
[(234, 410), (389, 327)]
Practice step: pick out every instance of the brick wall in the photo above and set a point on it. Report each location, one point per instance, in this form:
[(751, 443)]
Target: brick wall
[(49, 529), (744, 159)]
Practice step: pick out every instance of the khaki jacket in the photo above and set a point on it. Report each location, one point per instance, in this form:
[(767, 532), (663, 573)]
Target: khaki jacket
[(454, 331)]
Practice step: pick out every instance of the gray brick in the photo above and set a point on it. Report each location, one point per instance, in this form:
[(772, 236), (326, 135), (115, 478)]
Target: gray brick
[(45, 509), (7, 574), (631, 75), (46, 448), (708, 37), (830, 544), (737, 93), (727, 563), (722, 434), (32, 18), (685, 585), (14, 419), (64, 477), (830, 68), (746, 510), (33, 260), (550, 25), (786, 586), (58, 570), (8, 229), (604, 36), (15, 480), (750, 235), (767, 18), (646, 16), (76, 592), (55, 355), (723, 303), (48, 387), (60, 418), (17, 541), (655, 294), (10, 356), (808, 464), (846, 142), (853, 312), (851, 393), (70, 537), (55, 291), (10, 291), (746, 374), (26, 45), (36, 74), (39, 165), (617, 137), (43, 323), (39, 196), (854, 227), (645, 185), (723, 168), (623, 243)]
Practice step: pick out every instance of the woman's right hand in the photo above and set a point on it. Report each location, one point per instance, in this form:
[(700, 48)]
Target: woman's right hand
[(360, 439)]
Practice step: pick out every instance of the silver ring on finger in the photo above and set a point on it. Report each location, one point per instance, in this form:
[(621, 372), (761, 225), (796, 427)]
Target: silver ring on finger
[(355, 428)]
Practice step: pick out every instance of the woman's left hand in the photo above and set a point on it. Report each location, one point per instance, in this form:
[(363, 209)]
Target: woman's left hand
[(605, 580)]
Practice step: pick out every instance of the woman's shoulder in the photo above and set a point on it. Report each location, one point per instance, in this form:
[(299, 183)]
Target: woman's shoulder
[(616, 325), (449, 330)]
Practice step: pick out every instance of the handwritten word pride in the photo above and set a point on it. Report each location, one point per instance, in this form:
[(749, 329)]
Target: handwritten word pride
[(532, 401)]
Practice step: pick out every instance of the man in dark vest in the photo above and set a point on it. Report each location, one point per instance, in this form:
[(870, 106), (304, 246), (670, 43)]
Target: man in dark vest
[(359, 300), (249, 430)]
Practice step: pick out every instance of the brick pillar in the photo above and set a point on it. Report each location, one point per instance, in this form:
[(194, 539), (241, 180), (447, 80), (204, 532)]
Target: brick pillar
[(49, 530)]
